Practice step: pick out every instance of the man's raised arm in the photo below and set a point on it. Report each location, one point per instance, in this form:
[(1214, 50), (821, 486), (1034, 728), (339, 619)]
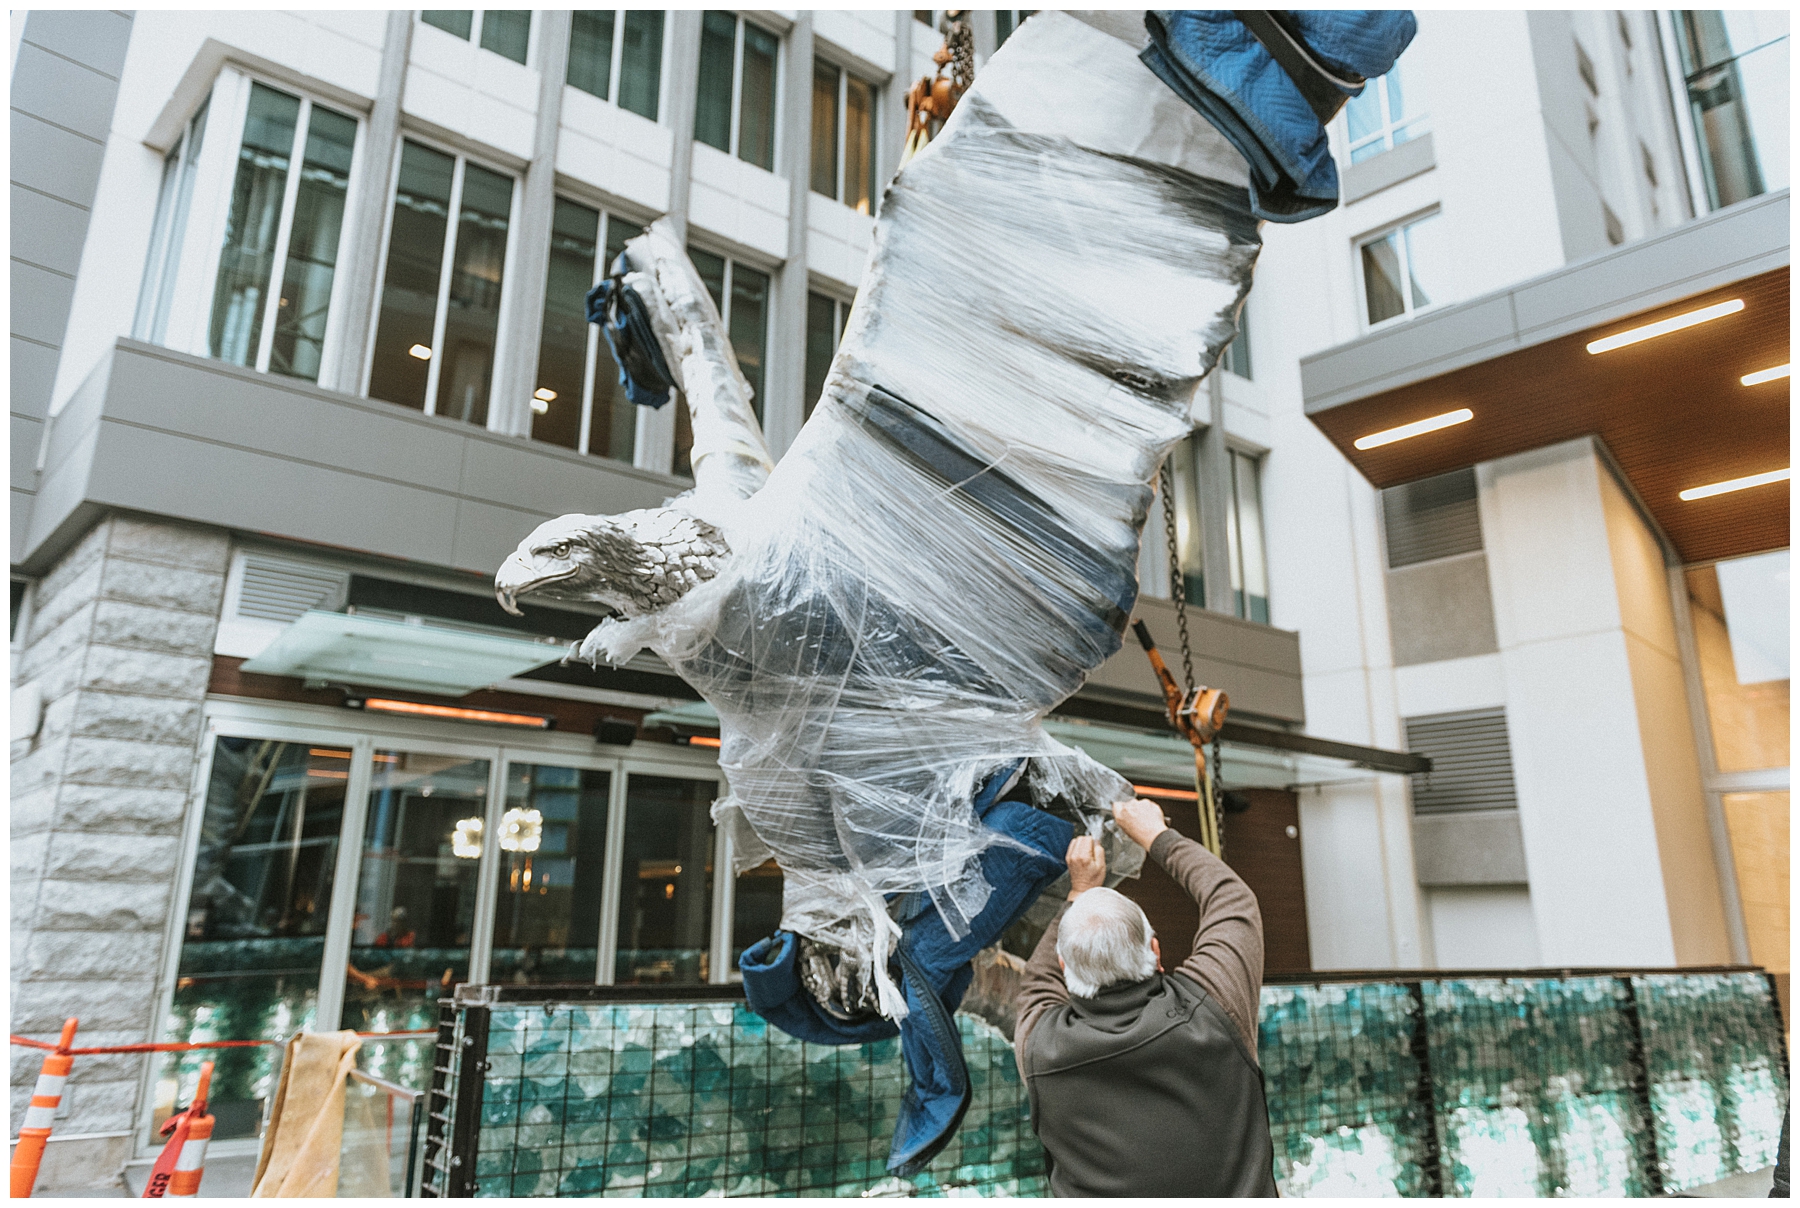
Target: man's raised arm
[(1041, 986), (1227, 960)]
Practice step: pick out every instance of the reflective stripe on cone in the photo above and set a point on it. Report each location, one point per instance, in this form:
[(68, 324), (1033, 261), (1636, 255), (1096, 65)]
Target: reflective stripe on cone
[(184, 1183)]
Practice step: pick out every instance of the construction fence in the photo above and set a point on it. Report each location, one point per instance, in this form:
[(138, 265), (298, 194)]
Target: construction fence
[(1581, 1083)]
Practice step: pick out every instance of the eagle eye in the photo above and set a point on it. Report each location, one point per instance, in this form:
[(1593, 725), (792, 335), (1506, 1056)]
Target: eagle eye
[(560, 550)]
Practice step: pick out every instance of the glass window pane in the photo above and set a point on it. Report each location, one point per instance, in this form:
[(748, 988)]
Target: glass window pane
[(712, 271), (1190, 541), (612, 432), (1237, 353), (750, 326), (473, 317), (821, 344), (756, 107), (712, 111), (1253, 596), (451, 20), (640, 63), (1739, 611), (1381, 277), (756, 909), (1003, 26), (665, 882), (1394, 96), (824, 128), (409, 289), (859, 146), (563, 349), (590, 51), (506, 32), (171, 257), (254, 932), (312, 249), (1758, 826), (415, 890), (552, 867), (1426, 258), (248, 259), (159, 239), (1362, 112)]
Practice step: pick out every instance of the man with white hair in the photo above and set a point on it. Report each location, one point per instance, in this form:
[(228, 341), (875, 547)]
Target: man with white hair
[(1146, 1083)]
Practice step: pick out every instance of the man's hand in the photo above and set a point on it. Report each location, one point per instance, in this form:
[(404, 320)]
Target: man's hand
[(1087, 866), (1141, 821)]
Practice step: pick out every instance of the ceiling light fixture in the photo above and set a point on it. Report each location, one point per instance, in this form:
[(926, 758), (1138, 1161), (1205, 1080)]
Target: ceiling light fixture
[(420, 351), (1157, 790), (378, 704), (1734, 484), (702, 740), (1765, 375), (1663, 327), (1448, 419)]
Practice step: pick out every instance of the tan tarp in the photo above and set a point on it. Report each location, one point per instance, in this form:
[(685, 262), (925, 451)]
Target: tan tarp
[(306, 1126)]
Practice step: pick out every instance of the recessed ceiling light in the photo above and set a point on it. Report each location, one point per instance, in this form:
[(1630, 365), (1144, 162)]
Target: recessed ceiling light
[(1663, 327), (1734, 484), (1375, 440), (420, 351), (377, 704), (1765, 375), (545, 393)]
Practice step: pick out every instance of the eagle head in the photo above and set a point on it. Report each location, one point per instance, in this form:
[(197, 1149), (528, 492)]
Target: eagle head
[(635, 562)]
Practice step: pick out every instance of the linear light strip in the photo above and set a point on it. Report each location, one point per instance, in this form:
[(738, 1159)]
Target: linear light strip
[(1734, 484), (1765, 375), (1448, 419), (1663, 327), (455, 713)]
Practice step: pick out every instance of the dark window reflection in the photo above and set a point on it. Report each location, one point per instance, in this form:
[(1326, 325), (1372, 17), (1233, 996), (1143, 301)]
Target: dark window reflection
[(552, 870), (665, 883)]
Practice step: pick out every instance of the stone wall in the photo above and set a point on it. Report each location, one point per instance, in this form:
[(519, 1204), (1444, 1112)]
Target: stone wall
[(120, 643)]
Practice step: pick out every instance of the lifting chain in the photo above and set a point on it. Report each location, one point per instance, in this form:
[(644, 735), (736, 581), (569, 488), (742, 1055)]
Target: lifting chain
[(931, 99), (1206, 787)]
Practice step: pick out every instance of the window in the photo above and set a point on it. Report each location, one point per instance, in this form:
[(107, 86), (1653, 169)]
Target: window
[(666, 883), (578, 402), (742, 295), (1471, 762), (1190, 537), (824, 328), (1739, 613), (843, 137), (1400, 269), (1736, 67), (170, 225), (19, 587), (1386, 114), (547, 908), (626, 46), (1236, 358), (1244, 540), (1006, 20), (1433, 518), (440, 298), (505, 31), (736, 109)]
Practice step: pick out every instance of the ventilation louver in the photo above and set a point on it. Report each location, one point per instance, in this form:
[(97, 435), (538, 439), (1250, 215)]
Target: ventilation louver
[(1432, 518), (1471, 762), (278, 590)]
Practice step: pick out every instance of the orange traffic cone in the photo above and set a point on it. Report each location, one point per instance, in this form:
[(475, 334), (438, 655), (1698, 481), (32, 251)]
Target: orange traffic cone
[(46, 1097), (178, 1168)]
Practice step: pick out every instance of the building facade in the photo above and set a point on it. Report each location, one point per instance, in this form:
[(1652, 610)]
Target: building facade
[(299, 356)]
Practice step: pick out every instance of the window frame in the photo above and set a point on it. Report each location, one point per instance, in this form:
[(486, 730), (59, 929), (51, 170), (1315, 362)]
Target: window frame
[(497, 416), (1384, 133), (841, 137), (737, 93), (1362, 286), (616, 67), (476, 15), (759, 403), (188, 297), (1235, 540), (363, 735)]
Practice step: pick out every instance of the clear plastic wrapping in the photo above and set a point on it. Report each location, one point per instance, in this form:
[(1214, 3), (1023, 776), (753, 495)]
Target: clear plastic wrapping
[(950, 546)]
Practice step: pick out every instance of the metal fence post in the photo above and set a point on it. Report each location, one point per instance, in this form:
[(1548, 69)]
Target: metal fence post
[(1640, 1085), (1432, 1162), (465, 1128)]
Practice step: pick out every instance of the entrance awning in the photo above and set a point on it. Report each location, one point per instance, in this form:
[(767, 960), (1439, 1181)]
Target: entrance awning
[(340, 648), (1673, 410), (1281, 760)]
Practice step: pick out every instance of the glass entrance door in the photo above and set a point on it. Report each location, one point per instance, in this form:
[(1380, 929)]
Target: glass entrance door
[(666, 916), (550, 887)]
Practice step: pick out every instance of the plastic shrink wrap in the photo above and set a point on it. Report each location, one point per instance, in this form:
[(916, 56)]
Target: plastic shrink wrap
[(950, 546)]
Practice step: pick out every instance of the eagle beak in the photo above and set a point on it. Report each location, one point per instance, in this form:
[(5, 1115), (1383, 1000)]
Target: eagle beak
[(515, 575)]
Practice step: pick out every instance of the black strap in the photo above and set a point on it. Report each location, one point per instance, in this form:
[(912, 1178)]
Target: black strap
[(1324, 90)]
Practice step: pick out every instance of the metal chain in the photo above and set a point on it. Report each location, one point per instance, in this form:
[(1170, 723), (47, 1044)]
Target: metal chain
[(1177, 581), (1218, 796)]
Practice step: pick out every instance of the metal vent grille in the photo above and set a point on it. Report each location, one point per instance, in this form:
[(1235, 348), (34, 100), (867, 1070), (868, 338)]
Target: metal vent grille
[(277, 590), (1471, 762), (1432, 518)]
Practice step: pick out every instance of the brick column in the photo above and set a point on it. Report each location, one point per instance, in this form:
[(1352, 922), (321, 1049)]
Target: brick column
[(120, 643)]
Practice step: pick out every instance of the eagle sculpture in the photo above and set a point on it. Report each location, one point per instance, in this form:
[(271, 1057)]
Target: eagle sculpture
[(883, 620)]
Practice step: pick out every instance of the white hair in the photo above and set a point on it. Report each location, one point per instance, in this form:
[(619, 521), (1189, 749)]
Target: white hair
[(1104, 940)]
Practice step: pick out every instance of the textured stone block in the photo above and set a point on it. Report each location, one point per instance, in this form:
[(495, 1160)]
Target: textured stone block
[(27, 855), (137, 718), (106, 761), (140, 811), (51, 608), (58, 719), (110, 861), (33, 811), (39, 769), (111, 905), (121, 1005), (66, 641), (181, 589), (104, 1106), (84, 554), (142, 627), (140, 539), (147, 673), (86, 955)]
